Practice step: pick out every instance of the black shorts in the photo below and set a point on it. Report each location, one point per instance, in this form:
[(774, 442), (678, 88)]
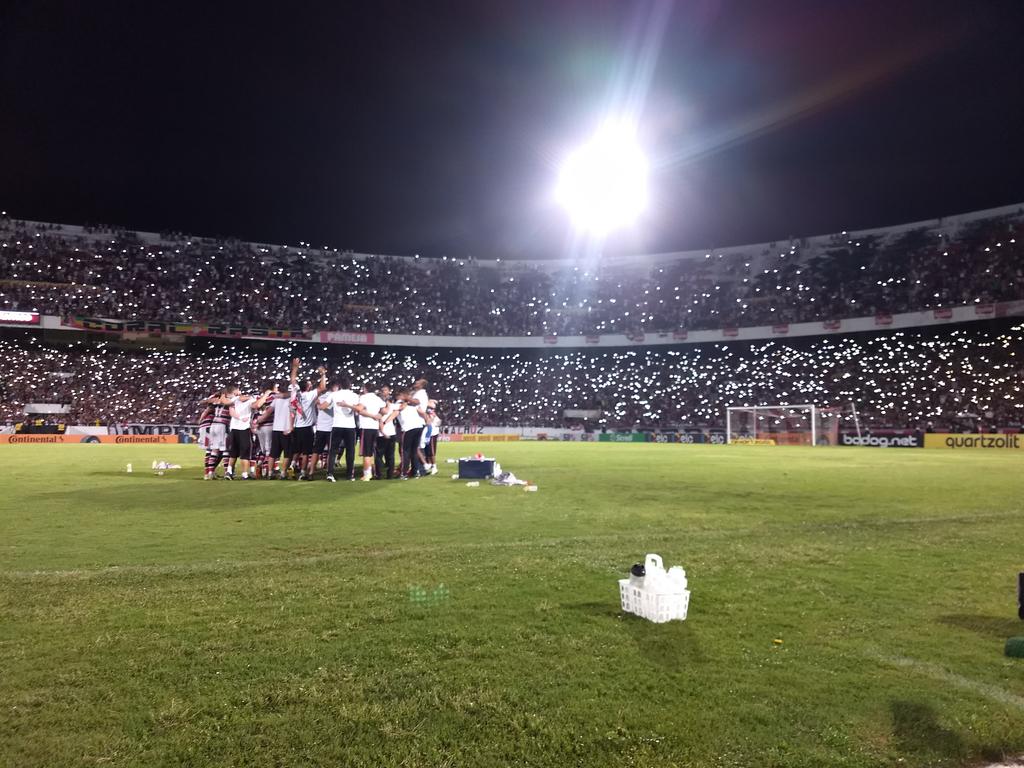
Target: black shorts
[(302, 441), (240, 444), (280, 443), (321, 441), (367, 443)]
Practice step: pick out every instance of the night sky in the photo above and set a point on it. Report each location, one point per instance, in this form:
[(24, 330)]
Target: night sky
[(436, 128)]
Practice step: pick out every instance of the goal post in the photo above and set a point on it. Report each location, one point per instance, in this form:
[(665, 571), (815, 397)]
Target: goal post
[(802, 424)]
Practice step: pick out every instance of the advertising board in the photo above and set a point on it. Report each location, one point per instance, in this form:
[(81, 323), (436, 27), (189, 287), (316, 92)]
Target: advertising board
[(1014, 442)]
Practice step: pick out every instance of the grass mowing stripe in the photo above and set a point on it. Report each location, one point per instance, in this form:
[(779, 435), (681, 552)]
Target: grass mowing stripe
[(938, 673)]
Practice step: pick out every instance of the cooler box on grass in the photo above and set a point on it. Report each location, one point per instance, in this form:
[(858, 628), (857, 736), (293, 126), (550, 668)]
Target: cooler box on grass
[(475, 469)]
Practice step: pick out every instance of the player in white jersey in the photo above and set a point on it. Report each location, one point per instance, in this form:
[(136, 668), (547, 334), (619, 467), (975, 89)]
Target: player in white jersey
[(305, 417), (429, 440), (283, 422), (370, 415), (241, 410), (411, 419), (344, 403), (324, 425), (385, 452), (419, 394)]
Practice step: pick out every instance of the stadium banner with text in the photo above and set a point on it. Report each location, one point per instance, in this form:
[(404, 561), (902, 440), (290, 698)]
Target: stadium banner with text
[(893, 438), (345, 337), (188, 431), (155, 327), (10, 317), (622, 437), (17, 439), (466, 438), (1013, 442)]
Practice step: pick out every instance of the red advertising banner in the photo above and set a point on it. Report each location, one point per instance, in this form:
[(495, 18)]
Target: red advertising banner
[(781, 330), (942, 313), (832, 325), (157, 327), (730, 331), (550, 339), (345, 337), (984, 310), (680, 335), (11, 317), (593, 339), (883, 318)]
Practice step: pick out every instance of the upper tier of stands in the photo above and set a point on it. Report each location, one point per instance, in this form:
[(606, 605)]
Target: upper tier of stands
[(112, 273)]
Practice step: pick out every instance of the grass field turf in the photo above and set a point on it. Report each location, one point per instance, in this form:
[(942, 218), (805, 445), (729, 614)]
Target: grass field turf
[(158, 621)]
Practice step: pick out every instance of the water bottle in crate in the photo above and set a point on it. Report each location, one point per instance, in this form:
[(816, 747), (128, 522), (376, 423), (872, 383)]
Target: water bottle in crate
[(658, 596)]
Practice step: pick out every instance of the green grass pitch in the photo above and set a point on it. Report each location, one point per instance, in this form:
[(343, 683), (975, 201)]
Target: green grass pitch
[(167, 621)]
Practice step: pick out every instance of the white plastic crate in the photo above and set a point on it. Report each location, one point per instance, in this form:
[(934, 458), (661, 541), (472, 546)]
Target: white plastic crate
[(658, 607), (658, 599)]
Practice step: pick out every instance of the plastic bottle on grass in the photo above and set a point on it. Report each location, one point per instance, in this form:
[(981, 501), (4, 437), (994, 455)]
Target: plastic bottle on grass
[(677, 577)]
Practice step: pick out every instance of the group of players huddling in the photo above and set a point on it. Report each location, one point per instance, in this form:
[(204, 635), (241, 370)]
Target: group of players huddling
[(291, 432)]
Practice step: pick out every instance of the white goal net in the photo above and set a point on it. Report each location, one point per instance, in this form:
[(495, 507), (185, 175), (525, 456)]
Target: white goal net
[(782, 425)]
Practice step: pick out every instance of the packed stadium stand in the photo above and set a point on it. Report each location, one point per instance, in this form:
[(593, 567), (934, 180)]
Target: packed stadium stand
[(62, 270), (954, 377), (966, 379)]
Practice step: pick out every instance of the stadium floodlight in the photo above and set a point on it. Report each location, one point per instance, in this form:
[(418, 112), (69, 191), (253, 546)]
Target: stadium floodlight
[(603, 184)]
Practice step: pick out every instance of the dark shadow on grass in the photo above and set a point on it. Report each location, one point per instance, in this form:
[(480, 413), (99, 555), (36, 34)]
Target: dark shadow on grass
[(670, 645), (917, 731), (996, 627)]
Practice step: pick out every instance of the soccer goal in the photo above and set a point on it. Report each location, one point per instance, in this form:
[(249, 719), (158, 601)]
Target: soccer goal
[(782, 425)]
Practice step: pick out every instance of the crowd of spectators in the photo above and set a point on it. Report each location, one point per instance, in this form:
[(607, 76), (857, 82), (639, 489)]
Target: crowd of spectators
[(961, 378), (110, 273)]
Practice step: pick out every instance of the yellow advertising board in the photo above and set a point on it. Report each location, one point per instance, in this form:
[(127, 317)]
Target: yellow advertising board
[(974, 442)]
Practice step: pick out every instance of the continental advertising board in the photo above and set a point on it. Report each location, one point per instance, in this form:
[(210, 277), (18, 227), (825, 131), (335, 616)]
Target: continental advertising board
[(72, 439), (1014, 442)]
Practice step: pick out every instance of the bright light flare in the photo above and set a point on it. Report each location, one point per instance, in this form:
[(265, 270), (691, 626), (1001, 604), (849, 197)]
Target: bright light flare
[(603, 184)]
